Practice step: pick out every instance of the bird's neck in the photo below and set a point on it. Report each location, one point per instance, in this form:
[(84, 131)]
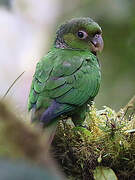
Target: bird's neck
[(60, 43)]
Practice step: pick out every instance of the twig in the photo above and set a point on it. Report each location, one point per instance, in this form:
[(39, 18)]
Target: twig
[(130, 105), (12, 85)]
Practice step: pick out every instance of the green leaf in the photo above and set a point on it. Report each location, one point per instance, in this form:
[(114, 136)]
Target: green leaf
[(104, 173)]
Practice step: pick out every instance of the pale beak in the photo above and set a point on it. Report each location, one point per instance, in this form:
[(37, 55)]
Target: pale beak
[(97, 43)]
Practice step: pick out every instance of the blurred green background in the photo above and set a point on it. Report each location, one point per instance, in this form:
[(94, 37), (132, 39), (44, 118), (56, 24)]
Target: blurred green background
[(117, 19)]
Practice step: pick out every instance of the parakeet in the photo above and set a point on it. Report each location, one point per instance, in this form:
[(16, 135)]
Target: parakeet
[(68, 78)]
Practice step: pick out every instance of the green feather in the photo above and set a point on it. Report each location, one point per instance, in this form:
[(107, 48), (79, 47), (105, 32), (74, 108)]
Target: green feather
[(83, 77)]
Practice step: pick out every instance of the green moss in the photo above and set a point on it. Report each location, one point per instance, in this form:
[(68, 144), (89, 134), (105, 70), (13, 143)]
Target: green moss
[(105, 142)]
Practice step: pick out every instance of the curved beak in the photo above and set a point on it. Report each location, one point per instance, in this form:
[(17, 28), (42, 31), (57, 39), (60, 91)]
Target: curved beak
[(97, 42)]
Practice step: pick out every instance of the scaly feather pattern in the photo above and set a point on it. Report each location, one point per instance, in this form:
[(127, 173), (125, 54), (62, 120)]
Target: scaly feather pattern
[(70, 79)]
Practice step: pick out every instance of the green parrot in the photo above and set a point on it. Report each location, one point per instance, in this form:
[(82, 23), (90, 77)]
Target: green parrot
[(67, 79)]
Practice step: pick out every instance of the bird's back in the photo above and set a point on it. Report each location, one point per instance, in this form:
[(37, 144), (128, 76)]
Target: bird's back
[(64, 80)]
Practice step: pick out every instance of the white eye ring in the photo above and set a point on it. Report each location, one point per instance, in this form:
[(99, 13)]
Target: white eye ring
[(96, 35), (82, 34)]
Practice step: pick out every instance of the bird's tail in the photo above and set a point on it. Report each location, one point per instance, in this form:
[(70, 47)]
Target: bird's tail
[(49, 133), (48, 130)]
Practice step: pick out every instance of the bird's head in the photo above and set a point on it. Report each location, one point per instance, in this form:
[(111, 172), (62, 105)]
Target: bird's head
[(80, 33)]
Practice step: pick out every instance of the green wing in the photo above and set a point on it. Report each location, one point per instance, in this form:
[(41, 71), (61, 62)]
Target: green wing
[(69, 77)]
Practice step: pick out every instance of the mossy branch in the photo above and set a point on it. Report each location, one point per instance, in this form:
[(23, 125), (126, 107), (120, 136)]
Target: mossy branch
[(106, 142)]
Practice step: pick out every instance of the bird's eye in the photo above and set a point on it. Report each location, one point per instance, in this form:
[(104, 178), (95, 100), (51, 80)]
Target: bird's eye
[(82, 34), (96, 35)]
